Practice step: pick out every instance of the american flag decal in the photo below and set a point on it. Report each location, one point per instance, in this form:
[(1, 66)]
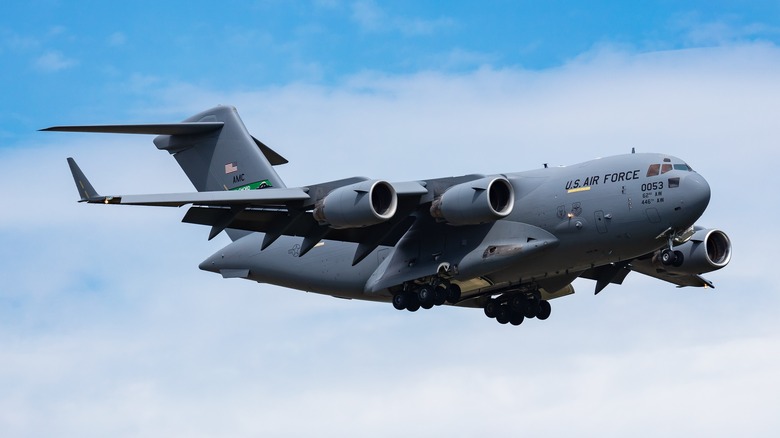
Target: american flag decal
[(231, 167)]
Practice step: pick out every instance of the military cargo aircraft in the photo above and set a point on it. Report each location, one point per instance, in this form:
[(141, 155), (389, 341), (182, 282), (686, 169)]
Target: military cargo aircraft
[(506, 243)]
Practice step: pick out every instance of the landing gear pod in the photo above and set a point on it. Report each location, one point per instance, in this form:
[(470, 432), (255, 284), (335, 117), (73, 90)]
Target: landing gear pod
[(357, 205), (475, 202)]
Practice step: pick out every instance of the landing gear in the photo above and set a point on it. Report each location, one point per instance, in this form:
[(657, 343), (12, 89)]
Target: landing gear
[(544, 310), (453, 293), (511, 307), (672, 258), (426, 296), (491, 308), (400, 301), (517, 307)]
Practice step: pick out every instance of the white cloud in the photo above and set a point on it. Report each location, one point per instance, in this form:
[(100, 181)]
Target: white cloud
[(109, 328), (53, 61)]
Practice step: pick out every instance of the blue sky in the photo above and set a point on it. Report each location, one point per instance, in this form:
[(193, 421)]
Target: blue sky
[(107, 327), (91, 58)]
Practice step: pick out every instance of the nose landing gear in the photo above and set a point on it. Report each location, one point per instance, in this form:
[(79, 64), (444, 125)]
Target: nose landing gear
[(670, 257)]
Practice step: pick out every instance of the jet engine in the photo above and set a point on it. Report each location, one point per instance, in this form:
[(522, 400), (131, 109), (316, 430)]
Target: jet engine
[(357, 205), (475, 202), (707, 250)]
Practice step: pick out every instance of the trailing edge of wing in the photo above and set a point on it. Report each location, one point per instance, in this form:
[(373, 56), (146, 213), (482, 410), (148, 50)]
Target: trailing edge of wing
[(185, 128), (221, 198)]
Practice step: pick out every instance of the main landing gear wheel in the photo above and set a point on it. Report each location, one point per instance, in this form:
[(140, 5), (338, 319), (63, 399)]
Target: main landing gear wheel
[(440, 295), (400, 301), (414, 303), (516, 317), (517, 307), (491, 308), (453, 293), (544, 310), (425, 295), (502, 314)]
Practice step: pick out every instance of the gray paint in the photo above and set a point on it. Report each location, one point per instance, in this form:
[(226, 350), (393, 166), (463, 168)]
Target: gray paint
[(594, 219)]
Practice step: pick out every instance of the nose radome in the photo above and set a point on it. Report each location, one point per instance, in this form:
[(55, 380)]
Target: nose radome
[(698, 192)]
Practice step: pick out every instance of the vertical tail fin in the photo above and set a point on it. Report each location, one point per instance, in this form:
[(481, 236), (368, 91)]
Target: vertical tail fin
[(225, 158), (213, 148)]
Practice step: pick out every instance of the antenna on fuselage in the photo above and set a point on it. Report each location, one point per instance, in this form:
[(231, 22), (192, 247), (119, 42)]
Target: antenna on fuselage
[(633, 150)]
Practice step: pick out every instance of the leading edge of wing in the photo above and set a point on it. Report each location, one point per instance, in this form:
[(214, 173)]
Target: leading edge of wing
[(184, 128)]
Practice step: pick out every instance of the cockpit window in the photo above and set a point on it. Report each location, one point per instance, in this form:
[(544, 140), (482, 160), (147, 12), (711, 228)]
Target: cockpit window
[(658, 169), (653, 170)]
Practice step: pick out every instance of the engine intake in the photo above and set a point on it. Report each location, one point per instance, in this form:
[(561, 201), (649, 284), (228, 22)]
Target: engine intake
[(706, 251), (357, 205), (475, 202)]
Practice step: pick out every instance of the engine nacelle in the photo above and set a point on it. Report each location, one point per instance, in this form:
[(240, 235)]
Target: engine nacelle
[(707, 250), (357, 205), (475, 202)]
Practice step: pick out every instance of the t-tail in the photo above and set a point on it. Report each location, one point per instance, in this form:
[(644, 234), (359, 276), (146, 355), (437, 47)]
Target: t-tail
[(217, 152), (213, 148)]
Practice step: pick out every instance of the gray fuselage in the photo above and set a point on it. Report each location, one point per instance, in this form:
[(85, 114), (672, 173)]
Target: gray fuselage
[(565, 220)]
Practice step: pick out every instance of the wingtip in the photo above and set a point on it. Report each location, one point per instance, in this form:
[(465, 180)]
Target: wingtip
[(84, 187)]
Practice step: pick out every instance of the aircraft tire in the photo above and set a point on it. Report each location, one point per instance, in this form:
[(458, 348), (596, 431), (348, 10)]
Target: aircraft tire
[(531, 309), (427, 296), (516, 317), (517, 302), (441, 295), (679, 258), (414, 303), (453, 293), (491, 308), (400, 301), (667, 257), (502, 314), (544, 310)]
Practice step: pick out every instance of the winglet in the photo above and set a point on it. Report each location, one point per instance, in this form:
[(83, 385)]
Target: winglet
[(86, 191)]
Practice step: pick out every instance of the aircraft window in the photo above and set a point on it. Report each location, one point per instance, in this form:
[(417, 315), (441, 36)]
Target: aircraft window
[(666, 168), (667, 160), (681, 167), (653, 170)]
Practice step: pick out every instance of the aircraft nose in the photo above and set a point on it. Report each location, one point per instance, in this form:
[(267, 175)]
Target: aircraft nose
[(698, 192)]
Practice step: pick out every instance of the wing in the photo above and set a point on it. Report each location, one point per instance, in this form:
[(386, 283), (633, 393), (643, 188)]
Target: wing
[(274, 211), (645, 266), (615, 273)]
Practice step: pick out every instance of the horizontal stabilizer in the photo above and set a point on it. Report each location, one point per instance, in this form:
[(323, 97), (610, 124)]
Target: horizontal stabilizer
[(184, 128), (86, 191)]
